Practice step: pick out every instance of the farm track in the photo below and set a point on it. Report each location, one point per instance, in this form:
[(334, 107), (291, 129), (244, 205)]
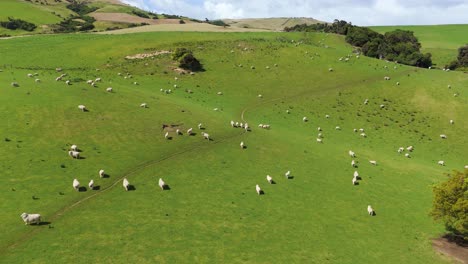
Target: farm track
[(147, 164)]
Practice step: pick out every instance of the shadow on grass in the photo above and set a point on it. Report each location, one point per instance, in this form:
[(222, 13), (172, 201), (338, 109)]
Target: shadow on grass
[(131, 188), (82, 189)]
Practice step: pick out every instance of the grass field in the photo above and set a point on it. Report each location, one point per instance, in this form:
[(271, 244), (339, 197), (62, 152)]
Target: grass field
[(275, 24), (211, 214), (442, 41)]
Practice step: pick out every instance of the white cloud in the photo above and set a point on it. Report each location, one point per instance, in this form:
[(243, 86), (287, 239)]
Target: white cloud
[(361, 12)]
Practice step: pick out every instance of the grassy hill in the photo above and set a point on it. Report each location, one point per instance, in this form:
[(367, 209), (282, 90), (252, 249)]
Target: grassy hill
[(274, 24), (442, 41), (211, 213)]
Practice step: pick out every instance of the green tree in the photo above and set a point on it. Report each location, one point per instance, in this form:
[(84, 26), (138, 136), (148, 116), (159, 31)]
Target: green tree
[(450, 204), (186, 59), (463, 56)]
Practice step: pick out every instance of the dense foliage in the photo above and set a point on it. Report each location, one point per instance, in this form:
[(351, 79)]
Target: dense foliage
[(140, 14), (81, 8), (14, 24), (462, 59), (398, 45), (186, 59), (74, 24), (451, 204), (218, 22)]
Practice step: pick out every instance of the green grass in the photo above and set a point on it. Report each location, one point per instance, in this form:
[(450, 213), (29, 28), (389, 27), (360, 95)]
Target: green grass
[(212, 213), (442, 41)]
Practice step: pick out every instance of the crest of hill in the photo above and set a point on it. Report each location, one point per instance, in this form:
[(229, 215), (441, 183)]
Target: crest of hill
[(274, 23)]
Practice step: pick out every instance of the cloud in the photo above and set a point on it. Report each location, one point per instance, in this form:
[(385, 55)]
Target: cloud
[(359, 12)]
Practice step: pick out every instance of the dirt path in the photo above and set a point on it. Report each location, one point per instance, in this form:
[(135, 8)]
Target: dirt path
[(451, 249)]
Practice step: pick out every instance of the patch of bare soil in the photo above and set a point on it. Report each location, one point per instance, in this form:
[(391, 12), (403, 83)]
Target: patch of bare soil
[(455, 249), (181, 71), (147, 55), (127, 18)]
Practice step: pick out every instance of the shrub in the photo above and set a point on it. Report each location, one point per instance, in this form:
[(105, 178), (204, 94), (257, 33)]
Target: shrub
[(140, 13), (186, 59), (14, 24)]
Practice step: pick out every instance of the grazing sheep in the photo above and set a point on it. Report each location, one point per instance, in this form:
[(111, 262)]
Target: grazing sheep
[(220, 93), (352, 154), (232, 123), (144, 105), (319, 129), (82, 108), (178, 132), (386, 77), (269, 179), (401, 149), (287, 174), (89, 81), (397, 83), (441, 163), (31, 218), (266, 126), (241, 125), (304, 119), (363, 135), (76, 184), (353, 164), (382, 106), (449, 86), (37, 80), (319, 140), (366, 101), (58, 79), (355, 130), (330, 69), (356, 174), (246, 127), (125, 184), (287, 111), (91, 184), (327, 116), (451, 121), (30, 75), (67, 82), (370, 210), (443, 136), (319, 135), (101, 173), (258, 189), (97, 80), (161, 184), (242, 145), (74, 154), (373, 162), (337, 128), (200, 126), (361, 130), (354, 181), (166, 136), (189, 131), (466, 166), (260, 96), (206, 135), (407, 155), (109, 90), (74, 147), (410, 148)]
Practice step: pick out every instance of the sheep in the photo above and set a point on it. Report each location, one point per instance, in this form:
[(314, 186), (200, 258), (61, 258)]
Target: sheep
[(31, 218), (407, 155), (242, 145), (37, 80), (67, 82), (466, 166), (353, 164), (397, 83), (93, 84), (327, 116), (258, 189), (387, 78), (74, 154), (166, 136), (161, 184), (241, 125), (366, 101), (337, 128), (58, 79), (370, 210), (401, 149), (410, 148), (178, 132), (382, 106), (74, 147), (76, 184), (330, 69), (269, 179), (101, 173), (352, 154), (355, 130), (449, 86), (266, 126), (373, 162), (363, 135), (189, 131), (304, 119), (319, 129), (451, 121), (441, 163), (220, 93), (260, 96), (97, 80), (356, 174), (200, 126), (443, 136), (287, 174), (89, 81), (175, 86), (144, 105), (319, 140), (232, 123), (361, 130), (125, 184), (30, 75), (206, 135), (82, 108), (91, 184), (354, 181), (287, 111), (246, 127), (109, 90)]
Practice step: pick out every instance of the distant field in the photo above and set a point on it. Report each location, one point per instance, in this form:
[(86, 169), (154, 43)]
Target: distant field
[(194, 27), (442, 41), (275, 24)]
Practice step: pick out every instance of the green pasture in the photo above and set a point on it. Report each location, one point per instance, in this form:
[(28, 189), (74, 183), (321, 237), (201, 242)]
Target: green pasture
[(212, 214), (442, 41)]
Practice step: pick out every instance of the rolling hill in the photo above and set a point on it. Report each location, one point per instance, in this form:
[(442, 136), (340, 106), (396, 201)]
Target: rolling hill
[(211, 212), (274, 24)]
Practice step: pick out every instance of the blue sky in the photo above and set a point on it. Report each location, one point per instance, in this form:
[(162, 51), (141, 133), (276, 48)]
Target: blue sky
[(359, 12)]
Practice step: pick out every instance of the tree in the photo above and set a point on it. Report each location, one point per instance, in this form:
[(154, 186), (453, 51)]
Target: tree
[(186, 59), (463, 56), (450, 204)]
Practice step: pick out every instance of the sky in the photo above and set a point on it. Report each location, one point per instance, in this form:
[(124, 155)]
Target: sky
[(359, 12)]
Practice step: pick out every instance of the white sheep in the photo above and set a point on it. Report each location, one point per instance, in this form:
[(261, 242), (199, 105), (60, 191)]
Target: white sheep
[(441, 163), (161, 184), (319, 129), (220, 93), (354, 181), (58, 79), (355, 130), (37, 80), (353, 164), (260, 96), (242, 145), (401, 149), (109, 90), (361, 130), (67, 82), (370, 210), (319, 135), (352, 154), (327, 116), (382, 106), (74, 147), (443, 136), (269, 179), (125, 184), (410, 148), (451, 121), (363, 135), (397, 83), (166, 136), (178, 132), (76, 184), (82, 108), (91, 184), (206, 135), (304, 119), (356, 174), (287, 174), (319, 140), (232, 123), (101, 173), (30, 75), (330, 69), (373, 162), (407, 155), (89, 81), (258, 189), (189, 131), (200, 126), (97, 80), (144, 105), (246, 127), (386, 77), (74, 154), (466, 166), (337, 128), (31, 218)]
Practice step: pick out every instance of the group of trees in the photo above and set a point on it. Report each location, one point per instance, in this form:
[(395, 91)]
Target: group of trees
[(398, 45), (15, 24), (186, 59), (462, 59)]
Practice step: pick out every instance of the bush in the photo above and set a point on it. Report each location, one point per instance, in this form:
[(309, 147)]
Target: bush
[(15, 24), (140, 14), (186, 59), (450, 204), (181, 21), (219, 23), (81, 8)]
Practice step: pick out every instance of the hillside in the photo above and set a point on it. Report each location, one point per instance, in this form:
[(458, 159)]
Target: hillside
[(442, 41), (274, 24), (210, 211)]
